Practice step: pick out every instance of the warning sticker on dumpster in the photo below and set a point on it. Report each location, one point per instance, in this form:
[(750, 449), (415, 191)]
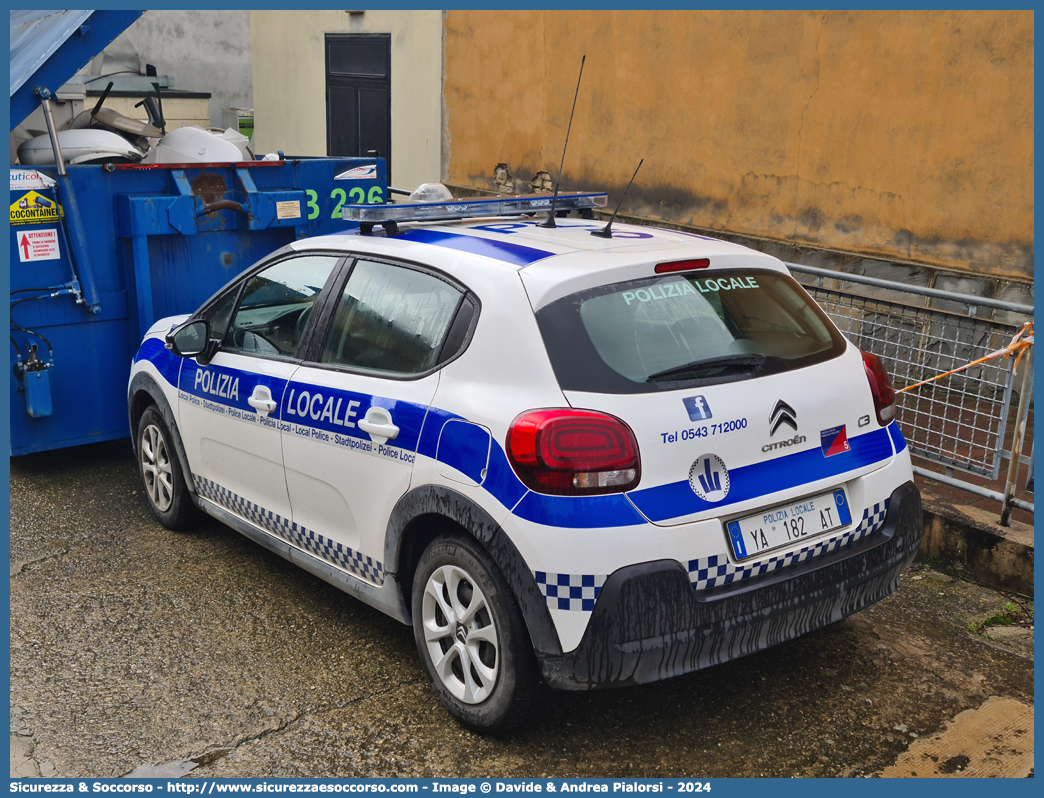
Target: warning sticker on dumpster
[(25, 179), (38, 245), (359, 173), (291, 209), (33, 208)]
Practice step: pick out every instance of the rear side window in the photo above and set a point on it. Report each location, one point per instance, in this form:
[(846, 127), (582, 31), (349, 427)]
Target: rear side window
[(664, 333), (390, 319)]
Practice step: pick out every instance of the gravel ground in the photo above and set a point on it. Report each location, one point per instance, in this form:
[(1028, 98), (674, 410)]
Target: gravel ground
[(135, 650)]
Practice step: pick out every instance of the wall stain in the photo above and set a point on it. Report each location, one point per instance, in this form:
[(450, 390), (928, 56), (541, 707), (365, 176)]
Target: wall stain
[(920, 149), (848, 224)]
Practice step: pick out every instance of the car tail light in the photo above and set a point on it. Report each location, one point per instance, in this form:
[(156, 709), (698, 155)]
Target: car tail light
[(681, 266), (880, 387), (573, 452)]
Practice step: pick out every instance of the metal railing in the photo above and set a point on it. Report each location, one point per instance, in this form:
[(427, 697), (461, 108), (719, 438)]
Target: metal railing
[(959, 421)]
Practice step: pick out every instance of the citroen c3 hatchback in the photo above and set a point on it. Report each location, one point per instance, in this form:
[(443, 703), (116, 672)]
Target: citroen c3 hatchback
[(584, 460)]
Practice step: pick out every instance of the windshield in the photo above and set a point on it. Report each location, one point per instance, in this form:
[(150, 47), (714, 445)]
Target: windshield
[(667, 332)]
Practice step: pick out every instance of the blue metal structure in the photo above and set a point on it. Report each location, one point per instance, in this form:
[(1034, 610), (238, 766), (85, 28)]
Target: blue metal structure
[(162, 239), (100, 252)]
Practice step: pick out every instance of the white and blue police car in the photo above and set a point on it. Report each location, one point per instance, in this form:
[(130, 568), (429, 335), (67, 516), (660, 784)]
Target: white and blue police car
[(562, 457)]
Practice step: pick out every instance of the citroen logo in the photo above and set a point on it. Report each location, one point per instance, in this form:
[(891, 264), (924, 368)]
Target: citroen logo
[(462, 634), (782, 413)]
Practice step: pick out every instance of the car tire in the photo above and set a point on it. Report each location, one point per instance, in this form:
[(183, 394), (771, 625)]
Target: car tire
[(161, 473), (471, 637)]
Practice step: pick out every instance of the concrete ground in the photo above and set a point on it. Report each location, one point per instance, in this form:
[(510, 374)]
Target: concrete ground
[(135, 650)]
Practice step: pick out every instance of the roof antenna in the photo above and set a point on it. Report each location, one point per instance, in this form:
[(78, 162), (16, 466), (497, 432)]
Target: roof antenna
[(550, 221), (606, 232)]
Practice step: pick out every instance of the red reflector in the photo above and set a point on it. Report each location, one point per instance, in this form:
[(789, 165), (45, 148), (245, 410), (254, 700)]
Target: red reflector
[(573, 452), (681, 266)]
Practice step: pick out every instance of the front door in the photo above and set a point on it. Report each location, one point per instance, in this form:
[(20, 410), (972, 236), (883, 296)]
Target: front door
[(229, 407)]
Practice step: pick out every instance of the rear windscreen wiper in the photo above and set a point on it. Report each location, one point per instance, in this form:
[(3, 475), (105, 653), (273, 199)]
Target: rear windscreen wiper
[(749, 359)]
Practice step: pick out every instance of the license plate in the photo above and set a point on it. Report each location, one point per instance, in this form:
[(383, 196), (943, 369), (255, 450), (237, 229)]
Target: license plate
[(787, 524)]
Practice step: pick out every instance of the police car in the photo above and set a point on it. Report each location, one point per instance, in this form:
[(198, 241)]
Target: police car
[(580, 459)]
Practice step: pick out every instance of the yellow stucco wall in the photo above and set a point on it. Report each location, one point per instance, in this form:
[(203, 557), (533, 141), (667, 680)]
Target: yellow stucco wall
[(907, 135), (288, 51)]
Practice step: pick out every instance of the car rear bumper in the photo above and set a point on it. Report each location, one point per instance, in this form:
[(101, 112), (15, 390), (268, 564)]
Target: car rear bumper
[(649, 624)]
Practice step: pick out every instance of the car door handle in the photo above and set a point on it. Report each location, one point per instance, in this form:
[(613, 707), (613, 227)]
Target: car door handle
[(377, 423), (261, 400)]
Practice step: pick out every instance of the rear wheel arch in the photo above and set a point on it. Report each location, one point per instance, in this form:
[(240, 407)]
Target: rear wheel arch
[(425, 513)]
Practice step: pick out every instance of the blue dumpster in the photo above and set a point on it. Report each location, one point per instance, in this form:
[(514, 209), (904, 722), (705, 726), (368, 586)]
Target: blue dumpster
[(157, 240)]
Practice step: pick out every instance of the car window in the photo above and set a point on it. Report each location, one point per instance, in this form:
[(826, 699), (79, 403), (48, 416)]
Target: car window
[(390, 319), (275, 305), (219, 314), (651, 334)]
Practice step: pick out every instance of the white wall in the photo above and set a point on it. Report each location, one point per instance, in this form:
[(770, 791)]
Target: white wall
[(202, 50), (288, 49)]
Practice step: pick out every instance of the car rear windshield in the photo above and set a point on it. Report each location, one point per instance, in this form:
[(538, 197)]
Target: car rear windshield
[(677, 330)]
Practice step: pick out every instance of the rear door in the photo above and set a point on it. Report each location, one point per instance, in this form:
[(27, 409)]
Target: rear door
[(351, 417)]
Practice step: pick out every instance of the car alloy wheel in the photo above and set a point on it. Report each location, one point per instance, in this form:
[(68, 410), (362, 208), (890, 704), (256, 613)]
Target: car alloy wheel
[(162, 474), (471, 638), (461, 636), (156, 468)]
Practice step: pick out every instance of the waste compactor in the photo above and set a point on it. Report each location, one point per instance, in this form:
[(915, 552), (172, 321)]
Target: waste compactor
[(101, 252), (132, 223)]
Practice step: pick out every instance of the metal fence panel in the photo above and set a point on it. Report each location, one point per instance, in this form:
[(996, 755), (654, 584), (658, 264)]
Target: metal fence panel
[(958, 421)]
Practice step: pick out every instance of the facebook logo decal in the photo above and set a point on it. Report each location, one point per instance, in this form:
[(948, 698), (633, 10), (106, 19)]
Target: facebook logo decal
[(698, 408)]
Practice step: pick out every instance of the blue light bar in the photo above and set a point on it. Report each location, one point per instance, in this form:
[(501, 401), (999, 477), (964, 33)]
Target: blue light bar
[(515, 205)]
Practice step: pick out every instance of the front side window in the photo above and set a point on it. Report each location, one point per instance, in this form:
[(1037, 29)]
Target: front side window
[(390, 319), (695, 328), (275, 306), (219, 314)]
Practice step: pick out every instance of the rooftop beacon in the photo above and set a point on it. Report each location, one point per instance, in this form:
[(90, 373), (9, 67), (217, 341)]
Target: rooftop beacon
[(389, 216)]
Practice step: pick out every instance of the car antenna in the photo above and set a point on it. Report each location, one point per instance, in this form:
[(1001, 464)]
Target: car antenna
[(550, 221), (606, 232)]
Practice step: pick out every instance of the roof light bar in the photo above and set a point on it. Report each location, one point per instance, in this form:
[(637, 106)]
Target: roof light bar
[(516, 205)]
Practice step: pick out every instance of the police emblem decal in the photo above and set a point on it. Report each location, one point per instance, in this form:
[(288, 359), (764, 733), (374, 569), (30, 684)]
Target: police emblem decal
[(709, 478)]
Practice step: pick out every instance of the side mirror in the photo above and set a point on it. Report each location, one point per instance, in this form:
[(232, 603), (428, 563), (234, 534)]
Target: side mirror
[(190, 340)]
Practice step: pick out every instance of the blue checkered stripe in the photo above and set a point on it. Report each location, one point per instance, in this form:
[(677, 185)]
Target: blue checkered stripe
[(718, 570), (570, 591), (347, 559)]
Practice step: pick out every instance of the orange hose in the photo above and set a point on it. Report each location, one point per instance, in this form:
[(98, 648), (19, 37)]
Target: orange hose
[(1018, 346)]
